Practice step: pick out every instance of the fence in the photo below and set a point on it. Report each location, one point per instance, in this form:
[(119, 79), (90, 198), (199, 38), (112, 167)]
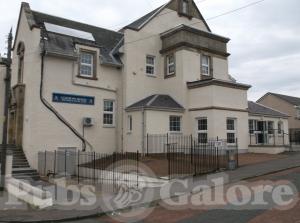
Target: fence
[(295, 138), (110, 170), (193, 158)]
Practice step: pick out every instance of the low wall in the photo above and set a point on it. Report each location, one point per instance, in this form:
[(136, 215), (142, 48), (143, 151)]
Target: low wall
[(267, 150)]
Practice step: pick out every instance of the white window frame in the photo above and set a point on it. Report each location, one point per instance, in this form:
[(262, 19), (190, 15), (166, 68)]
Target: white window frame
[(298, 112), (202, 131), (280, 129), (185, 7), (205, 65), (129, 123), (170, 64), (180, 124), (231, 131), (271, 131), (109, 112), (151, 65), (87, 64)]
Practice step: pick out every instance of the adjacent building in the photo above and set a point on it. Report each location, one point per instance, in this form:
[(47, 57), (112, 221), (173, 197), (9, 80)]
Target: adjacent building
[(2, 94), (268, 129), (77, 86)]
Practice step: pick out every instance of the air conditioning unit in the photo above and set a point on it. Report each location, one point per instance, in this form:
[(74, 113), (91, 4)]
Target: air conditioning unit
[(88, 122)]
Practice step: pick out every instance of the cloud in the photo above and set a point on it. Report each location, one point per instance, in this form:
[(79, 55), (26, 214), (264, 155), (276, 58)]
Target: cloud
[(264, 46)]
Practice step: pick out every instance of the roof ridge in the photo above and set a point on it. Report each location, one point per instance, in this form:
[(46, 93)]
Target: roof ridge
[(152, 99), (284, 95), (81, 23)]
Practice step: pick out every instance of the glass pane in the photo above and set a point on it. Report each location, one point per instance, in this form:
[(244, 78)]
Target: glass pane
[(202, 138), (150, 70), (175, 124), (86, 58), (171, 69), (230, 124), (150, 60), (231, 138), (202, 124), (108, 119), (108, 106), (86, 70), (205, 70), (205, 60)]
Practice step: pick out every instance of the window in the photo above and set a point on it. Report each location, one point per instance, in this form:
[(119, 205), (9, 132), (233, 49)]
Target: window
[(20, 52), (231, 131), (205, 65), (129, 123), (150, 65), (108, 113), (280, 127), (202, 130), (185, 6), (170, 60), (298, 112), (270, 127), (175, 123), (251, 126), (87, 64)]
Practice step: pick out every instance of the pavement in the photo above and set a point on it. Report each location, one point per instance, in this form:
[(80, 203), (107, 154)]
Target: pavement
[(244, 173)]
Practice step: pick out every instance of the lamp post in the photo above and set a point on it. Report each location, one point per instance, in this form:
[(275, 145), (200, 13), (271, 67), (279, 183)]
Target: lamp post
[(6, 105)]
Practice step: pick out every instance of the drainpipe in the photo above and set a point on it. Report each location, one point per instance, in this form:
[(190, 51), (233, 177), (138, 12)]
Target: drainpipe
[(52, 109), (143, 129), (6, 105)]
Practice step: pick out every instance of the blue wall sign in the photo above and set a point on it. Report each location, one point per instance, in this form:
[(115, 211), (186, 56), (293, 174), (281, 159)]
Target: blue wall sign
[(73, 99)]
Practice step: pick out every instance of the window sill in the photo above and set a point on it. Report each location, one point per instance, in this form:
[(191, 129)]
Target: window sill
[(109, 126), (170, 76), (87, 78), (151, 75)]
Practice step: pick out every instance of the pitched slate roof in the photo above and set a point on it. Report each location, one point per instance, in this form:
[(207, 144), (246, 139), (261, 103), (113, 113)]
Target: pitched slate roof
[(58, 44), (136, 25), (289, 99), (157, 102), (259, 109)]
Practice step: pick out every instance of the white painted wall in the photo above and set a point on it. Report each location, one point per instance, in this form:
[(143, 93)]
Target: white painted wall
[(2, 96)]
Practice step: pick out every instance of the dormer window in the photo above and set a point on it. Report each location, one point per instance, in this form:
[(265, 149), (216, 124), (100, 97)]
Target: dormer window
[(185, 7), (87, 64)]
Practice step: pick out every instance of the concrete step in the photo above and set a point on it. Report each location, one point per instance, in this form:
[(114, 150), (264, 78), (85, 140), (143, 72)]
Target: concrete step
[(23, 170), (27, 177)]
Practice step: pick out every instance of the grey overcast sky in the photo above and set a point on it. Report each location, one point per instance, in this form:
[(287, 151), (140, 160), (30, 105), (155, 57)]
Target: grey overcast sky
[(265, 38)]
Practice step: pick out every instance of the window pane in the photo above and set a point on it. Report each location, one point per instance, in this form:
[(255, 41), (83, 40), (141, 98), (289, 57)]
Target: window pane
[(86, 58), (108, 119), (231, 138), (230, 124), (108, 106), (202, 124), (270, 127), (251, 126), (86, 70), (150, 70), (150, 60), (205, 60), (175, 123), (205, 70), (202, 138), (171, 69), (170, 59)]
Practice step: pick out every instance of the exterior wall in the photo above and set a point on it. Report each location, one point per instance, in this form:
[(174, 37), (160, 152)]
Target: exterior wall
[(283, 106), (279, 139), (2, 97), (217, 124), (42, 130), (219, 97), (136, 51)]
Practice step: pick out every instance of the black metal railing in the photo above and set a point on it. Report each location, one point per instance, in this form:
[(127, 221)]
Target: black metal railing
[(273, 137), (111, 170), (295, 138)]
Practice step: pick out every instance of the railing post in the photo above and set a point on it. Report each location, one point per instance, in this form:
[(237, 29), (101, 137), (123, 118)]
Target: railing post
[(237, 152), (169, 160), (192, 152), (137, 169), (65, 163), (274, 137), (78, 163), (45, 165), (94, 166), (54, 168)]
